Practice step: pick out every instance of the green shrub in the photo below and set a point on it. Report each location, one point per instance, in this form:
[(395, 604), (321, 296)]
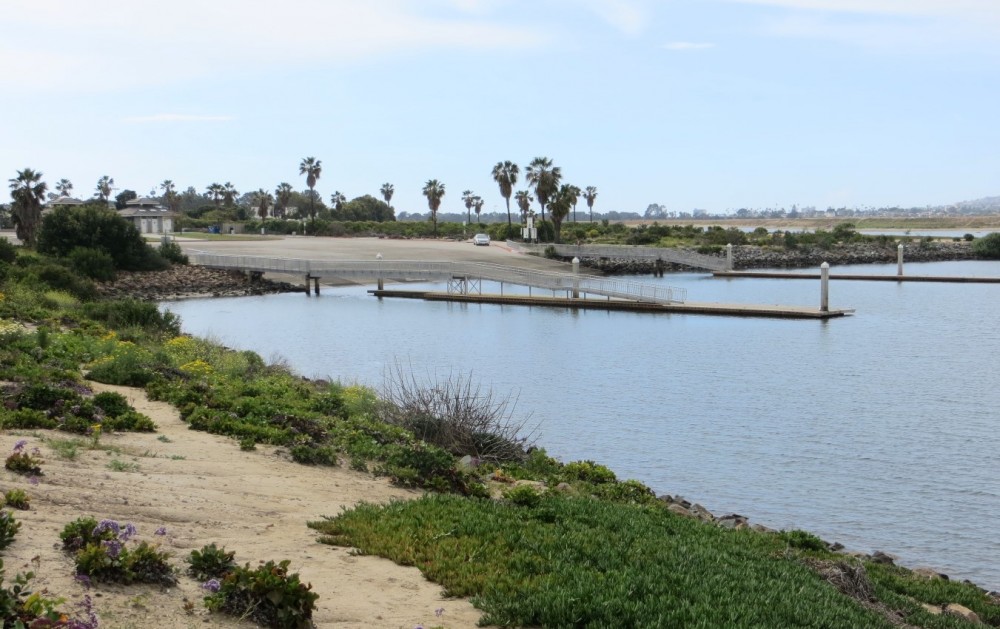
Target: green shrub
[(172, 251), (60, 278), (630, 491), (20, 607), (130, 421), (28, 418), (802, 540), (211, 562), (93, 263), (112, 403), (98, 228), (125, 313), (80, 533), (267, 595), (988, 246), (105, 554), (8, 529), (8, 252), (17, 499), (588, 471), (21, 462), (314, 455), (523, 496)]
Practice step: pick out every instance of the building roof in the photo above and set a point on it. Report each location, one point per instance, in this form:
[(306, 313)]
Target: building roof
[(150, 212), (63, 200)]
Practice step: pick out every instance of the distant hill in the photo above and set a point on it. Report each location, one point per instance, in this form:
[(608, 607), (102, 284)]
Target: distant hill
[(986, 204)]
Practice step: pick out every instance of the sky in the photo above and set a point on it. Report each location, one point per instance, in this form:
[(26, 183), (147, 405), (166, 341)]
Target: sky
[(707, 104)]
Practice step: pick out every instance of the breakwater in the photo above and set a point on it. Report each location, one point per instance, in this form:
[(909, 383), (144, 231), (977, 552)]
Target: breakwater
[(756, 257)]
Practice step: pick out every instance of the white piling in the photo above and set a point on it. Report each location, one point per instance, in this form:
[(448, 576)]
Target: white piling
[(824, 290), (576, 282), (899, 260), (729, 257)]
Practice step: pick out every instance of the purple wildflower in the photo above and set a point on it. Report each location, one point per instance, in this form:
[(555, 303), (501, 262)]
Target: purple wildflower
[(107, 525), (128, 531), (160, 531), (212, 585), (86, 607), (112, 547), (20, 445), (83, 580), (33, 480)]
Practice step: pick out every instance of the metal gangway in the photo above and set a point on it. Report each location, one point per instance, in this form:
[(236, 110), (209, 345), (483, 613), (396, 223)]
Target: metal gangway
[(462, 277), (628, 252)]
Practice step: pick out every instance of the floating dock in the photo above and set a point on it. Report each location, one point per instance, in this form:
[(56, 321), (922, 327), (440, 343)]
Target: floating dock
[(704, 308), (779, 275)]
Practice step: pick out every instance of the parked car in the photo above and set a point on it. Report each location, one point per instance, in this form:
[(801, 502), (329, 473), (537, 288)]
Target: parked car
[(481, 239)]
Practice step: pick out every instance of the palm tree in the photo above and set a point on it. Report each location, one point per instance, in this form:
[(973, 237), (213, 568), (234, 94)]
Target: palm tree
[(559, 207), (469, 199), (337, 200), (28, 192), (387, 191), (229, 194), (590, 195), (169, 194), (215, 191), (64, 187), (478, 204), (544, 178), (523, 198), (505, 174), (574, 195), (263, 200), (311, 168), (282, 196), (104, 187), (434, 190)]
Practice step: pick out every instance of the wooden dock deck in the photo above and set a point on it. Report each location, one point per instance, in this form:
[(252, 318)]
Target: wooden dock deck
[(701, 308), (780, 275)]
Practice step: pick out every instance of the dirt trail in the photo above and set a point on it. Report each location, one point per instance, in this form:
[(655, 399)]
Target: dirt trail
[(204, 489)]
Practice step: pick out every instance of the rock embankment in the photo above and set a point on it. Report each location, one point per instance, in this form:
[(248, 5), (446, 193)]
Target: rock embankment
[(182, 281), (755, 257)]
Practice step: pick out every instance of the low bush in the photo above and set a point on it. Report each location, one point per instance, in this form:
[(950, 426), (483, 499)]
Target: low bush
[(8, 529), (172, 252), (988, 246), (103, 553), (211, 562), (267, 595), (124, 313), (523, 496), (588, 471), (113, 404), (21, 462), (17, 499), (93, 263)]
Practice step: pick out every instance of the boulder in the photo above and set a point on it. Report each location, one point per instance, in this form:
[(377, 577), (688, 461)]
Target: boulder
[(960, 610)]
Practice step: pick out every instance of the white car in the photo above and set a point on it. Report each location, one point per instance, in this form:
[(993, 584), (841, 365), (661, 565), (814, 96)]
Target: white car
[(481, 239)]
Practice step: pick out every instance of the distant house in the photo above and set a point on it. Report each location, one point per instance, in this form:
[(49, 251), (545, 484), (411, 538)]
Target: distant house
[(62, 201), (148, 216)]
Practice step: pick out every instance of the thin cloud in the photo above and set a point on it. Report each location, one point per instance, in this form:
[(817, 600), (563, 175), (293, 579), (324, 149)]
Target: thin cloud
[(688, 45), (628, 16), (177, 118)]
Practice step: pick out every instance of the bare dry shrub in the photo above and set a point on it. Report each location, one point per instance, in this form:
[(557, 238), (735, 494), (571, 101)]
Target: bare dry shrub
[(456, 414)]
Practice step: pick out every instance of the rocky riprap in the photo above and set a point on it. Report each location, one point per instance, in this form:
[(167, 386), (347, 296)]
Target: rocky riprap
[(182, 281), (754, 257)]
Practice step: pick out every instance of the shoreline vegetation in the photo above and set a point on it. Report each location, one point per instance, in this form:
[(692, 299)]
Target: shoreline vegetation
[(531, 541)]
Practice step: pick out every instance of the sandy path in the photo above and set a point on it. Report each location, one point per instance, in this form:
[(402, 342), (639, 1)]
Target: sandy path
[(204, 489)]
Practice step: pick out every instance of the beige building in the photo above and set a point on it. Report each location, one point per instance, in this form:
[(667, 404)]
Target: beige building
[(148, 216)]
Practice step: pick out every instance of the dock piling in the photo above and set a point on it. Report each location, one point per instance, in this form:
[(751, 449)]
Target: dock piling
[(899, 260), (824, 290)]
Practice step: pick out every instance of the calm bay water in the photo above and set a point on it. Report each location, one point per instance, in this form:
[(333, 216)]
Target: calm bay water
[(879, 430)]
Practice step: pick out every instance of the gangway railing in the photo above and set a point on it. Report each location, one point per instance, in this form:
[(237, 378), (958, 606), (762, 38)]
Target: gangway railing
[(627, 252), (616, 288)]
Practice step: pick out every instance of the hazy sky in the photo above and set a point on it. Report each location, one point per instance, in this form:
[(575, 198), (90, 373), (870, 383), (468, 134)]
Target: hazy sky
[(714, 104)]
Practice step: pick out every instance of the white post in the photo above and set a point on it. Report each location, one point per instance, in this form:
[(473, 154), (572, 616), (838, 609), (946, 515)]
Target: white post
[(899, 260), (824, 291), (378, 256), (729, 257), (576, 282)]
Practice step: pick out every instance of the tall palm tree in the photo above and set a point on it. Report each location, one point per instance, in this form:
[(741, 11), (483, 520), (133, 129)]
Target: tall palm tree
[(311, 168), (263, 200), (574, 195), (523, 198), (64, 187), (28, 192), (337, 200), (590, 195), (104, 187), (387, 192), (544, 178), (468, 198), (478, 204), (229, 194), (505, 174), (215, 191), (434, 191), (282, 196)]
